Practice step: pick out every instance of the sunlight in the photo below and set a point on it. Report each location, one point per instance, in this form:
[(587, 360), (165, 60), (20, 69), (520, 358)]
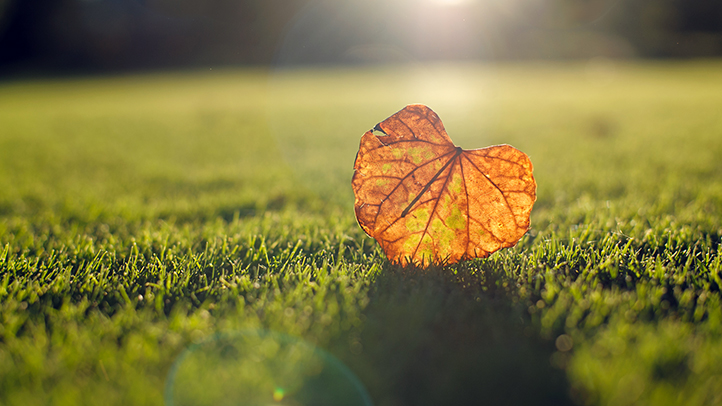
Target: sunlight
[(449, 2)]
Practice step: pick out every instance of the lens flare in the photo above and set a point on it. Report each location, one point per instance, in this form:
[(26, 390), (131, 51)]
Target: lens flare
[(278, 394), (258, 367)]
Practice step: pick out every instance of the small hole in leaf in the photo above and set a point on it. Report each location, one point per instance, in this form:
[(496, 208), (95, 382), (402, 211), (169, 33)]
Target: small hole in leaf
[(377, 131)]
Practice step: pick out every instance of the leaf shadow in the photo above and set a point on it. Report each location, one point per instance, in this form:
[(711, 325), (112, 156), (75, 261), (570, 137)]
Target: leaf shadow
[(453, 335)]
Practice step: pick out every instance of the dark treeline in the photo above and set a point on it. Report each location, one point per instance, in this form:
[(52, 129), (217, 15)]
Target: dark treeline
[(100, 35)]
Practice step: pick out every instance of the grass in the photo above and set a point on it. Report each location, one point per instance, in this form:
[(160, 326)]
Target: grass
[(142, 214)]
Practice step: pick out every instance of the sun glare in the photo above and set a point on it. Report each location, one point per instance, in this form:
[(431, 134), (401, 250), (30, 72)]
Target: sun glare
[(449, 2)]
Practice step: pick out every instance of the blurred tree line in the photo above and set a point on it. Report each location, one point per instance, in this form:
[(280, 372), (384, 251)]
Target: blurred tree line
[(88, 35)]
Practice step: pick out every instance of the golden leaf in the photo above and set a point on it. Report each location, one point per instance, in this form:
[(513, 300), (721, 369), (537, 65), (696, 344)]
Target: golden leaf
[(427, 201)]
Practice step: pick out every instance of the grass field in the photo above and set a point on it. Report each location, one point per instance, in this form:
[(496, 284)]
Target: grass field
[(141, 214)]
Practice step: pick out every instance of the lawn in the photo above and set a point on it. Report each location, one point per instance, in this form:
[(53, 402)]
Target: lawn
[(146, 218)]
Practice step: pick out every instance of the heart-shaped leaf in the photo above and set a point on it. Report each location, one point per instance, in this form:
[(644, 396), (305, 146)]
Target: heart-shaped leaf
[(427, 201)]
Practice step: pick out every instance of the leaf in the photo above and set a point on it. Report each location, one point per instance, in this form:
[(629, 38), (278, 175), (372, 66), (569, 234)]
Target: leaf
[(427, 201)]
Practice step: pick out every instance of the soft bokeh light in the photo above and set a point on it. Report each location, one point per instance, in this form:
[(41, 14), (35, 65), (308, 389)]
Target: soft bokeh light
[(257, 367)]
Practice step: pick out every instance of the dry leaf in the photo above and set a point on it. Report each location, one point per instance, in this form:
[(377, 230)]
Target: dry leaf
[(427, 201)]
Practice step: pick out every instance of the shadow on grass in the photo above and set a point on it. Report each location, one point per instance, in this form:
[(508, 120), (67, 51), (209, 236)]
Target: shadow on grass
[(452, 336)]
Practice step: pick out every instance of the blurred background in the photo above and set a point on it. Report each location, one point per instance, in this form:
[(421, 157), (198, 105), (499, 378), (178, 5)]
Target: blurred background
[(170, 169), (43, 36)]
